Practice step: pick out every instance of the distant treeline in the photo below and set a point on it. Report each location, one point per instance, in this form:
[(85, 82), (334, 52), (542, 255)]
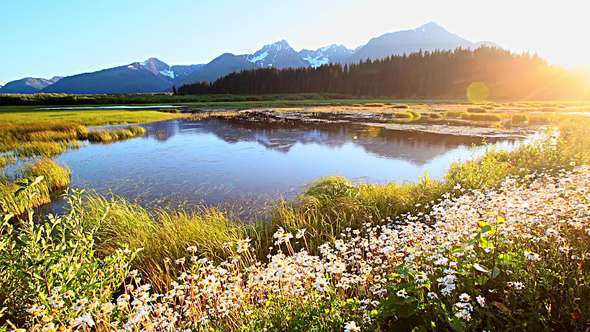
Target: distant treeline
[(437, 74), (147, 98)]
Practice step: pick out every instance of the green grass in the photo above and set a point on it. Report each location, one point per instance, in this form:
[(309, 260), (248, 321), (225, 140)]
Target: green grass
[(50, 176), (331, 205), (163, 236), (44, 149), (55, 176), (407, 115), (197, 100), (7, 160), (325, 209), (109, 136), (29, 116), (481, 117)]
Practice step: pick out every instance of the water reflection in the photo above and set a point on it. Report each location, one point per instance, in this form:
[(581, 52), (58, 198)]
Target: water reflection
[(218, 162), (419, 148)]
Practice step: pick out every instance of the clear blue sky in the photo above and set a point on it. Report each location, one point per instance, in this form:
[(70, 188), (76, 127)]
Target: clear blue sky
[(42, 38)]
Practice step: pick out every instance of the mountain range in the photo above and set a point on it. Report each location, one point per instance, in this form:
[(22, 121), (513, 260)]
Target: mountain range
[(154, 75)]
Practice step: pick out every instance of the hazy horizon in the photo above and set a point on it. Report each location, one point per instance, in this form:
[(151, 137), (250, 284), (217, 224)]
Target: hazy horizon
[(66, 38)]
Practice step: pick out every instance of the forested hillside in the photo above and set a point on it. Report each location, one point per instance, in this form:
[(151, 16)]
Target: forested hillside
[(437, 74)]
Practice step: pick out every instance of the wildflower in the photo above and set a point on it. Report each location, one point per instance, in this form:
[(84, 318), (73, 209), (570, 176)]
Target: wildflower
[(464, 315), (464, 310), (351, 327), (321, 284), (402, 293), (300, 233), (481, 300), (531, 256), (432, 296), (180, 261), (282, 236), (243, 245), (84, 321), (387, 250), (464, 297), (145, 288), (441, 261), (516, 285), (106, 308), (37, 311), (80, 304), (123, 299), (421, 277), (49, 328), (551, 232), (339, 244), (192, 249)]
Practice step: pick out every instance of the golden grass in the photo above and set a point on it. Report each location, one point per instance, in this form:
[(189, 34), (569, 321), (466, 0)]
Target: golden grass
[(109, 136), (163, 236), (31, 117), (16, 201), (57, 177)]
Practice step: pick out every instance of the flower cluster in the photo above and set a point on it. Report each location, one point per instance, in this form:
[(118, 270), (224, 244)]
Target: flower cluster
[(452, 263)]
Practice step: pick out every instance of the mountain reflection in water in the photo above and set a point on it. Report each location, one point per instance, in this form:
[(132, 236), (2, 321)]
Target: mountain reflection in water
[(220, 162)]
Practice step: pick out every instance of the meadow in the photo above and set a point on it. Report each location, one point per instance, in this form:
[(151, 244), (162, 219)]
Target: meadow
[(502, 242), (32, 136)]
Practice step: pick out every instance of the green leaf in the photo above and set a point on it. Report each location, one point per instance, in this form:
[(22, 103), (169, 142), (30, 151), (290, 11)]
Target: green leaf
[(495, 272)]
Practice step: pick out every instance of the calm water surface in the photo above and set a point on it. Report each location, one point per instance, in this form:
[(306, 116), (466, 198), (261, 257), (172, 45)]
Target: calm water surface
[(219, 161)]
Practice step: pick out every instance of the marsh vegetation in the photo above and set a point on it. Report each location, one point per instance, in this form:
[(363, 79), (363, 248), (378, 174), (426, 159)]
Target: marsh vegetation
[(498, 242)]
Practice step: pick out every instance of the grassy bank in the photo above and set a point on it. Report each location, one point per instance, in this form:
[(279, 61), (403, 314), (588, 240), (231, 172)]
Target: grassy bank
[(326, 209), (31, 136), (49, 178), (31, 116), (514, 259), (440, 255)]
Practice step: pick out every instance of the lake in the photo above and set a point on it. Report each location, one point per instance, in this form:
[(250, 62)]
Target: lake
[(183, 163)]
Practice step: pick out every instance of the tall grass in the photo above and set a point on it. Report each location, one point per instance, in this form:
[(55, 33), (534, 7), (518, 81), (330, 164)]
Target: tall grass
[(109, 136), (48, 177), (50, 139), (6, 160), (57, 177), (331, 205), (162, 236), (326, 209), (40, 148)]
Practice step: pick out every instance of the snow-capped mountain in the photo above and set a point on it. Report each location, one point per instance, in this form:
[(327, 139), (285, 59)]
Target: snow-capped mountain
[(278, 55), (329, 54), (153, 75), (157, 67)]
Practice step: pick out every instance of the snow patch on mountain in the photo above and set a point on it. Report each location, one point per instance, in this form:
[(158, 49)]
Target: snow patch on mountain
[(168, 73), (317, 61), (256, 58)]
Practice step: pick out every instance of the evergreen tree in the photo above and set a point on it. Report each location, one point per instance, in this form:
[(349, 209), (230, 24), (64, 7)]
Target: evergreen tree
[(435, 74)]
